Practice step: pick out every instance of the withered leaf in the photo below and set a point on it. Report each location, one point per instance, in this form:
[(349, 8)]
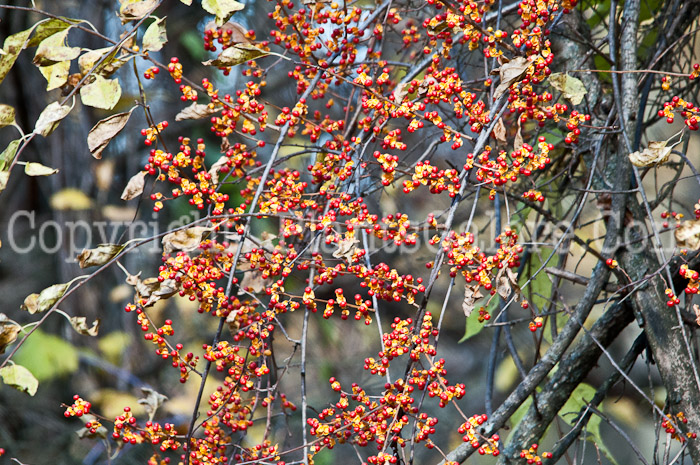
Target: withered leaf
[(186, 240), (688, 234), (98, 256), (239, 53), (8, 332), (346, 248), (79, 323), (696, 309), (511, 73), (196, 111), (135, 11), (214, 170), (38, 303), (134, 187), (472, 293), (499, 131), (152, 402), (104, 131), (656, 153)]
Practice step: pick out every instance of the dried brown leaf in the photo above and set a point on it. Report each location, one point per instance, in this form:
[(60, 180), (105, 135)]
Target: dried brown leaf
[(104, 131), (134, 187), (688, 234), (471, 295), (499, 131), (186, 240), (510, 73), (98, 256), (79, 323)]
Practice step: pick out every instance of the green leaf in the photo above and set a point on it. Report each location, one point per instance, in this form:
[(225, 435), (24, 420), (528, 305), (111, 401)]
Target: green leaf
[(155, 36), (569, 413), (104, 131), (8, 154), (49, 27), (7, 115), (19, 378), (37, 169), (239, 53), (53, 50), (473, 326), (56, 75), (38, 303), (47, 356), (223, 9), (12, 46), (101, 93), (50, 117)]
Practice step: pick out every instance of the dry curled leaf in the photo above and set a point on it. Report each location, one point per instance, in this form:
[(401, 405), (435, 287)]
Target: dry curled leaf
[(237, 33), (688, 235), (137, 10), (499, 131), (510, 73), (696, 309), (346, 248), (239, 53), (98, 256), (150, 290), (655, 154), (79, 323), (471, 295), (196, 111), (400, 92), (152, 401), (134, 187), (104, 131), (253, 281), (186, 240), (507, 282), (518, 141), (8, 332), (38, 303), (214, 170)]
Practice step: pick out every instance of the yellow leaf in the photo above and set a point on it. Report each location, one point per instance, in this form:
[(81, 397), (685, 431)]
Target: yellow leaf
[(53, 50), (19, 378), (101, 93), (50, 117), (572, 88), (155, 36), (70, 199), (37, 169), (7, 115), (222, 9), (39, 303)]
